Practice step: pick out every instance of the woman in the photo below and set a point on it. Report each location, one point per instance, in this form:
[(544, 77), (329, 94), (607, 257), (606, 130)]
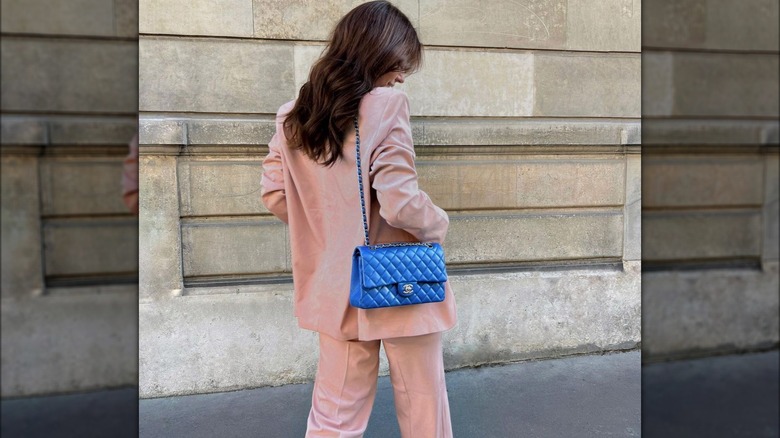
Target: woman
[(310, 182)]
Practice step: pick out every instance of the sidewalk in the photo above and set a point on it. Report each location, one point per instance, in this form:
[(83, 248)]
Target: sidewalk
[(596, 395), (581, 396)]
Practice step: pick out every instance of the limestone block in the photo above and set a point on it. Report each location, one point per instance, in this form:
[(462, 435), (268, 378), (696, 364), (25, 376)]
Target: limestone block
[(712, 24), (746, 84), (604, 85), (21, 228), (701, 235), (70, 341), (234, 247), (632, 241), (693, 313), (68, 75), (305, 55), (231, 131), (496, 23), (53, 17), (657, 84), (86, 246), (220, 187), (23, 131), (211, 343), (469, 132), (526, 315), (675, 23), (199, 17), (81, 186), (613, 25), (93, 131), (522, 182), (703, 180), (696, 132), (210, 75), (310, 20), (472, 83), (126, 18), (771, 212), (516, 237), (159, 235), (153, 131)]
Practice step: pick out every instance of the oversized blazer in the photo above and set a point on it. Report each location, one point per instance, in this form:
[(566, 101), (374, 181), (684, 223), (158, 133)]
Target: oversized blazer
[(321, 205)]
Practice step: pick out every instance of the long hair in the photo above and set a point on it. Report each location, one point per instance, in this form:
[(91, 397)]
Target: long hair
[(371, 40)]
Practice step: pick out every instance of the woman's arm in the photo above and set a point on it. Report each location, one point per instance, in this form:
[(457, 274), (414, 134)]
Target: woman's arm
[(272, 182), (401, 203)]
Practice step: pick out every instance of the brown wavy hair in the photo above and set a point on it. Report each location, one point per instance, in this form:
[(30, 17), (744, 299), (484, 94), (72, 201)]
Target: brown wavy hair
[(371, 40)]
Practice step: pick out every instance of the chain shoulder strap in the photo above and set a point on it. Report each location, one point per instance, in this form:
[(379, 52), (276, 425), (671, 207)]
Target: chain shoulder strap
[(363, 200), (360, 181)]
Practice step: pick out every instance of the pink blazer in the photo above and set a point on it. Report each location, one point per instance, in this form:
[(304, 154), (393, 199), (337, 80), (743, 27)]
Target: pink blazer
[(322, 207)]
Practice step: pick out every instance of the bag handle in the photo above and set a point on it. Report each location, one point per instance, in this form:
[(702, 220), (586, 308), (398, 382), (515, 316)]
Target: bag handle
[(360, 181)]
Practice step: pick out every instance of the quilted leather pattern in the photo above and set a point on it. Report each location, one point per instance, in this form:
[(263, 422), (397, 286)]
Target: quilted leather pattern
[(381, 277)]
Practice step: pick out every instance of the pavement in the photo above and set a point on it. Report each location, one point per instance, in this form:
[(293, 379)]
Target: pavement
[(576, 396)]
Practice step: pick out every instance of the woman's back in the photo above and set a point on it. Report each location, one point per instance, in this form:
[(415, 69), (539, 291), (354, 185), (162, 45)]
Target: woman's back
[(322, 207)]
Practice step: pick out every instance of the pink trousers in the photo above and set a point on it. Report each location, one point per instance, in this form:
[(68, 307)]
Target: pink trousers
[(345, 387)]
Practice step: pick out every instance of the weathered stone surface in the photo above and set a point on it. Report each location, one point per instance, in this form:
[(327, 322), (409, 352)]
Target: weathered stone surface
[(21, 229), (126, 18), (85, 246), (697, 132), (472, 83), (305, 56), (62, 75), (208, 75), (657, 84), (699, 235), (501, 23), (702, 181), (92, 131), (231, 131), (712, 311), (440, 132), (516, 132), (771, 214), (82, 186), (609, 26), (53, 17), (675, 23), (632, 211), (503, 237), (746, 84), (196, 17), (567, 84), (712, 24), (524, 182), (159, 243), (23, 131), (70, 341), (221, 339), (250, 247), (219, 187), (153, 131), (307, 20)]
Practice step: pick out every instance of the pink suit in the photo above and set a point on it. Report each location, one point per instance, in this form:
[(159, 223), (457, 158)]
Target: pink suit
[(322, 207)]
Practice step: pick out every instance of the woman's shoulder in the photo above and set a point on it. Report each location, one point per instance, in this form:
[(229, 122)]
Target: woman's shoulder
[(386, 99), (284, 109)]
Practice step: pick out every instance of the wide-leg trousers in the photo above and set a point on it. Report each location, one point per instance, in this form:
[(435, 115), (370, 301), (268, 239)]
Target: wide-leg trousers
[(346, 380)]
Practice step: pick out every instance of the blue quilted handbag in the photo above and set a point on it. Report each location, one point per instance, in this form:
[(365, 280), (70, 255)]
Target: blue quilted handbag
[(394, 274)]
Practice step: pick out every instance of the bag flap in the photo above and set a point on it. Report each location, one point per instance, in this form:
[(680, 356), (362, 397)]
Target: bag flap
[(386, 266)]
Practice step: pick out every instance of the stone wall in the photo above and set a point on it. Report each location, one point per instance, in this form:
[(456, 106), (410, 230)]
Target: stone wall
[(527, 131), (710, 177), (69, 252)]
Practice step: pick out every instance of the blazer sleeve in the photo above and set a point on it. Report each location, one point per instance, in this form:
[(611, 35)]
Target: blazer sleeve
[(272, 181), (394, 177)]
